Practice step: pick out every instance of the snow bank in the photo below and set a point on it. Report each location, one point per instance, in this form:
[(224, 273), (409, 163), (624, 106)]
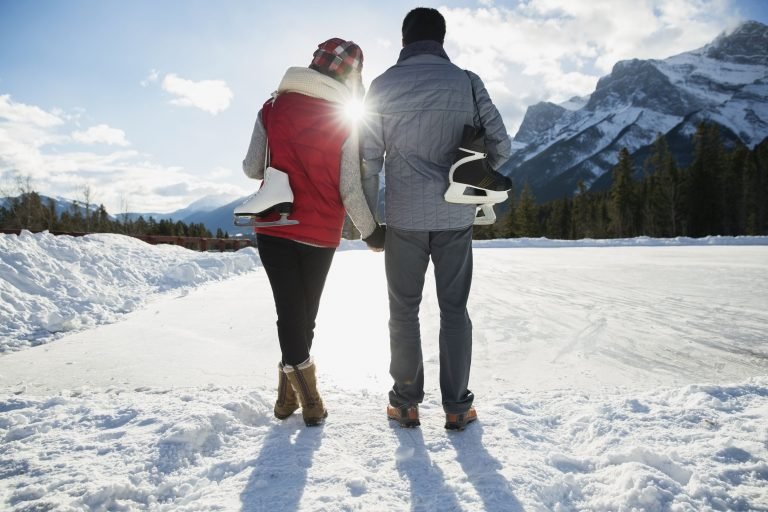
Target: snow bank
[(112, 419), (55, 284), (685, 449), (51, 285)]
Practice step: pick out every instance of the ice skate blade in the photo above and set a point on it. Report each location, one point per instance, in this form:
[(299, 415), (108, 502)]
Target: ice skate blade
[(457, 193), (485, 215)]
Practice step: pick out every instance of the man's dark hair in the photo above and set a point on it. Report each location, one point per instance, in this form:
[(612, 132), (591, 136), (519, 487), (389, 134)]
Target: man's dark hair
[(423, 24)]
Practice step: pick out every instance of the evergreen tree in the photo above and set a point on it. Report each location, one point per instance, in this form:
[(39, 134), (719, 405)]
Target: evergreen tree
[(50, 215), (65, 222), (622, 206), (76, 218), (580, 221), (140, 226), (750, 198), (558, 219), (703, 201), (507, 225), (29, 212), (527, 214), (732, 191), (760, 181), (5, 217), (600, 216), (669, 203), (660, 205), (102, 223)]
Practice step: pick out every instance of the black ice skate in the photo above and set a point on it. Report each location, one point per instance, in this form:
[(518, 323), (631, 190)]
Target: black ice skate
[(472, 181)]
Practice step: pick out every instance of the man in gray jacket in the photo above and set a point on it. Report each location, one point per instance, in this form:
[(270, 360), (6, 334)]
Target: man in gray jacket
[(417, 112)]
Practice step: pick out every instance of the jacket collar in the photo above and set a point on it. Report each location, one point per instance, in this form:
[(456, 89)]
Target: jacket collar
[(423, 48)]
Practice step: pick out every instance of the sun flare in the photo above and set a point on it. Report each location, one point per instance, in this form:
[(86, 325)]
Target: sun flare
[(354, 110)]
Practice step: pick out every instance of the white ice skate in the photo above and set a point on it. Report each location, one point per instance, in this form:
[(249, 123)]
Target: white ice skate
[(472, 181), (275, 195)]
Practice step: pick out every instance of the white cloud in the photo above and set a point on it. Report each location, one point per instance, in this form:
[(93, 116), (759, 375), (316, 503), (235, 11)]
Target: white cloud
[(221, 173), (212, 96), (26, 114), (101, 134), (38, 144), (152, 77), (551, 50)]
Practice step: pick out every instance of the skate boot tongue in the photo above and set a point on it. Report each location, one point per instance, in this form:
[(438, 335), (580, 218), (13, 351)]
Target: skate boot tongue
[(473, 139)]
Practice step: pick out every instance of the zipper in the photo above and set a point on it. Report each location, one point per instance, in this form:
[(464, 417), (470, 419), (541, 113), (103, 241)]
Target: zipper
[(304, 388)]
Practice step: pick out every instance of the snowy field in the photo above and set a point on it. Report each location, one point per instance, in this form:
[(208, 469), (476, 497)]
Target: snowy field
[(609, 375)]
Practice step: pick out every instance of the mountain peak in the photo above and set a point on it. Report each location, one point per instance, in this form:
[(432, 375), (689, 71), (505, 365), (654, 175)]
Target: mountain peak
[(750, 26), (747, 44), (538, 118), (210, 202)]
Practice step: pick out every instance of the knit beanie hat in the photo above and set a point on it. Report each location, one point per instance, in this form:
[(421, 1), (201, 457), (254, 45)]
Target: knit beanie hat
[(338, 59)]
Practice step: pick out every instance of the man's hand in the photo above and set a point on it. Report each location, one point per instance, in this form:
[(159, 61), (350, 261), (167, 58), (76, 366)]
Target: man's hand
[(375, 240)]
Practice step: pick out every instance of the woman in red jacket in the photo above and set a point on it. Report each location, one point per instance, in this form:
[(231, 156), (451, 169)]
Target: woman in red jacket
[(316, 145)]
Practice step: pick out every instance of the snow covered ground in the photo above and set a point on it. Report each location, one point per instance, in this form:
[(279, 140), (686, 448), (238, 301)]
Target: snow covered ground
[(610, 375)]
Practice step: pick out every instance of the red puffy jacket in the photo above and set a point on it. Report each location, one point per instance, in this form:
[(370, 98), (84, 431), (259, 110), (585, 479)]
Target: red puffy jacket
[(305, 138)]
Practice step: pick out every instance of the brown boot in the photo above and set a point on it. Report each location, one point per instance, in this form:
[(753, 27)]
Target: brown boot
[(287, 401), (304, 382), (460, 421), (406, 416)]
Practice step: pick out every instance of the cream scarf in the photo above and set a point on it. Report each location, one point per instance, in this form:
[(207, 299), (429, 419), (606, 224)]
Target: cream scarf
[(312, 83)]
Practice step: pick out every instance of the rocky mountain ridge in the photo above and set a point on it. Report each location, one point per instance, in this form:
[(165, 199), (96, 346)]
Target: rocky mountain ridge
[(725, 82)]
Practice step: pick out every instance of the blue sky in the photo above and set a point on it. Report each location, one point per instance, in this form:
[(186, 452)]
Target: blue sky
[(149, 105)]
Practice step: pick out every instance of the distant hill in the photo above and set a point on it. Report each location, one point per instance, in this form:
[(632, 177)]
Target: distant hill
[(60, 204), (215, 212), (219, 218)]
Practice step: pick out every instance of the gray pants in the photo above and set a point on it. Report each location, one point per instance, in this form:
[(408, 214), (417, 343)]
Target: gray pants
[(407, 255)]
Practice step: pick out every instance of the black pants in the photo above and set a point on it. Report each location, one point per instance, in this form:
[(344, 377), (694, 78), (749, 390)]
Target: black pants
[(297, 275)]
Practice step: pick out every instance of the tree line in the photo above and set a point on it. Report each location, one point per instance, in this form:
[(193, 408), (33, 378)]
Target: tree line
[(31, 211), (724, 191)]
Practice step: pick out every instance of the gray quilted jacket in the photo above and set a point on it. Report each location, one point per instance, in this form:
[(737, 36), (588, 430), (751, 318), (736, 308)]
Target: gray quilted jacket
[(417, 111)]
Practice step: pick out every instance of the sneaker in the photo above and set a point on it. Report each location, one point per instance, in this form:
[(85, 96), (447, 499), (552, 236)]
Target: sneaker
[(460, 421), (406, 416)]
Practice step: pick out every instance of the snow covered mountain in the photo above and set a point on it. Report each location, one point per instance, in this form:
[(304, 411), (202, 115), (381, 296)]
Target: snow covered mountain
[(725, 82), (215, 212), (200, 206), (204, 204), (220, 218)]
